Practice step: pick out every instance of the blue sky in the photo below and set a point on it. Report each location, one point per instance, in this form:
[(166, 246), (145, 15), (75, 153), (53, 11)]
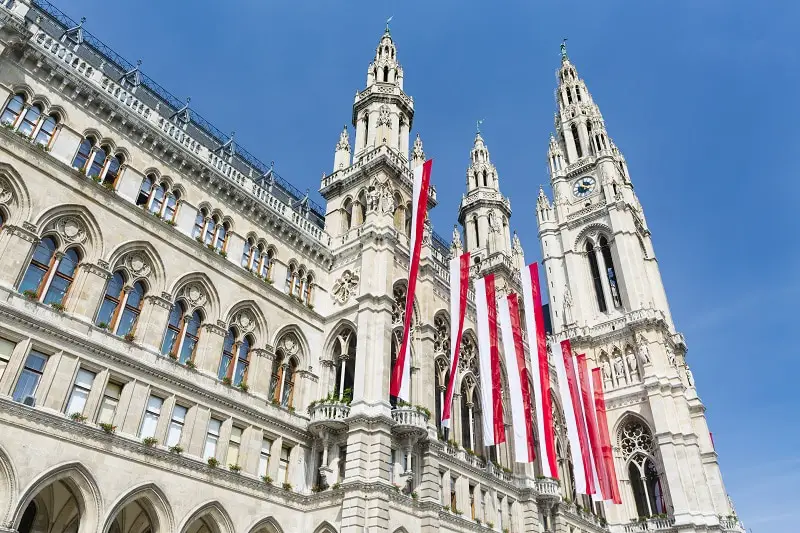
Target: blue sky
[(698, 94)]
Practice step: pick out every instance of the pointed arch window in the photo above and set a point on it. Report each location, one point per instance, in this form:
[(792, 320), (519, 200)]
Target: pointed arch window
[(182, 334), (131, 309), (60, 283), (291, 273), (605, 248), (47, 130), (594, 270), (308, 285), (107, 315), (13, 110), (297, 289), (576, 138), (638, 449), (248, 245), (228, 350), (347, 214), (39, 267), (268, 261), (282, 384), (198, 230), (235, 357), (569, 95), (97, 161), (578, 92), (84, 154)]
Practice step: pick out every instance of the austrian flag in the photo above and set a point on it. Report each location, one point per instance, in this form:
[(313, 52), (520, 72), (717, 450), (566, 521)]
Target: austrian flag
[(401, 373), (489, 358), (459, 286)]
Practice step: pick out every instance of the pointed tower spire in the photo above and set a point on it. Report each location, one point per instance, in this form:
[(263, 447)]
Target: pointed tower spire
[(417, 153), (342, 158), (456, 248)]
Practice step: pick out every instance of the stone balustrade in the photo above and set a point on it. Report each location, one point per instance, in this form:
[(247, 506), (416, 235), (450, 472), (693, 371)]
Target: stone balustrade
[(409, 419), (651, 524), (329, 414), (731, 524), (548, 488)]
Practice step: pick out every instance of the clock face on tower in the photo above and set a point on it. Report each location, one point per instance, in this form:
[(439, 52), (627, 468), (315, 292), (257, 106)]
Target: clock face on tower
[(583, 187)]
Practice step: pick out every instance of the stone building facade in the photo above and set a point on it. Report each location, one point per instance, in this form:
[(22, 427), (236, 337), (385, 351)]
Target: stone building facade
[(188, 344)]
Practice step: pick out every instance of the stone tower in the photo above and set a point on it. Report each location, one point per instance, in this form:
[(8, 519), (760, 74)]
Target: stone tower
[(607, 296), (484, 216)]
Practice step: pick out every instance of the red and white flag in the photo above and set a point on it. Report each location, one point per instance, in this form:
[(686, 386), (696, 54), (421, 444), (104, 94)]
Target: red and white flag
[(518, 389), (540, 368), (401, 373), (602, 490), (459, 286), (574, 419), (489, 358), (605, 441)]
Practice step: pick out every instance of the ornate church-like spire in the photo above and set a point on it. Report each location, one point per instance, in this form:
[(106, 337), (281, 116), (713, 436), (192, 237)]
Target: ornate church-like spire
[(342, 157)]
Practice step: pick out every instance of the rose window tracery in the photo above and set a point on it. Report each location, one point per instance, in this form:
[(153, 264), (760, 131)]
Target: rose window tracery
[(634, 438), (441, 336)]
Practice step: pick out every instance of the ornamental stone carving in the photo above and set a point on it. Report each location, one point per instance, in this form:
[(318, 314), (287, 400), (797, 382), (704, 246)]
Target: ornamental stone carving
[(245, 321), (289, 344), (6, 194), (71, 229), (138, 265), (195, 295), (387, 199), (346, 286), (383, 116)]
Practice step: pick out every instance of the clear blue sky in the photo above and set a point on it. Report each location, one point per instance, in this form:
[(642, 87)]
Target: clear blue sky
[(700, 95)]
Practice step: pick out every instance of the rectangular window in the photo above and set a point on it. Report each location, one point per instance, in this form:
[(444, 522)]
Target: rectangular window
[(263, 458), (151, 415), (283, 467), (472, 501), (29, 379), (234, 446), (80, 392), (453, 498), (342, 461), (108, 405), (392, 460), (6, 349), (212, 438), (176, 425)]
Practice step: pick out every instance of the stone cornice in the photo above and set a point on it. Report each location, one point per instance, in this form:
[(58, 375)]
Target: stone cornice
[(22, 232)]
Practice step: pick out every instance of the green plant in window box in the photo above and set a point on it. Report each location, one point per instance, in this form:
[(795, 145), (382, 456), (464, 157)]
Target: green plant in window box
[(275, 402), (235, 468), (96, 179), (210, 246), (414, 495), (269, 281), (30, 295), (198, 239), (505, 530), (190, 364), (108, 428), (173, 356), (243, 386), (287, 487), (57, 306), (212, 462), (316, 488), (130, 337), (478, 521), (267, 480), (336, 486), (103, 325), (490, 525), (78, 417), (170, 222), (459, 512), (177, 450), (223, 253), (108, 185), (226, 380), (149, 441)]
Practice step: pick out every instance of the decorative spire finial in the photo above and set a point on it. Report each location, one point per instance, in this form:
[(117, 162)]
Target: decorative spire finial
[(455, 245), (387, 23), (478, 126), (564, 50)]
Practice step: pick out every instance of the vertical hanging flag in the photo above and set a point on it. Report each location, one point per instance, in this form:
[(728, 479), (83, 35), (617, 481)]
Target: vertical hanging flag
[(489, 357), (605, 441), (573, 390), (540, 368), (561, 356), (519, 392), (400, 382), (601, 486), (459, 286)]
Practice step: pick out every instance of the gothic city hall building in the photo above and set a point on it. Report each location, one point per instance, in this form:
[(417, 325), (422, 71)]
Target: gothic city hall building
[(189, 344)]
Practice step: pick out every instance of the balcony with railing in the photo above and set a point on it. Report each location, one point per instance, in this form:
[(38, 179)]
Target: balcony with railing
[(410, 420), (660, 523), (731, 524), (329, 414), (548, 489)]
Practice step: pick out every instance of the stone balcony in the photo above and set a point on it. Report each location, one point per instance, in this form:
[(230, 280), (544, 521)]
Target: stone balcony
[(731, 524), (410, 421), (328, 415), (651, 524), (548, 490)]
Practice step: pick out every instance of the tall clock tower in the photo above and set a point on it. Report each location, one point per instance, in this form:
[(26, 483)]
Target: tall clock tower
[(606, 295)]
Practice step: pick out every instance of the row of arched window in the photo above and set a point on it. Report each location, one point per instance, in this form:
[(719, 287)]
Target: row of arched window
[(30, 119), (258, 258), (299, 282)]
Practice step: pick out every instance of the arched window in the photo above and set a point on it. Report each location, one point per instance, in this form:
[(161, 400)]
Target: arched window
[(30, 120), (347, 214), (198, 231), (157, 198), (248, 246), (578, 92), (131, 308), (97, 161), (65, 267), (287, 395), (291, 272), (485, 178), (210, 231), (183, 332), (106, 317), (385, 73), (469, 413), (592, 148), (408, 222), (39, 267), (344, 357), (221, 237), (638, 450), (191, 335), (576, 138), (297, 289), (596, 280), (235, 358), (145, 190), (47, 130), (569, 95), (605, 248), (308, 284), (13, 110), (268, 260), (169, 346), (84, 155)]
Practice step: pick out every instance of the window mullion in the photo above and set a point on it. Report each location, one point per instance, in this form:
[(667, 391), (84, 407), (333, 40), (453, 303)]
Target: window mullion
[(50, 275), (123, 300), (182, 336), (21, 117)]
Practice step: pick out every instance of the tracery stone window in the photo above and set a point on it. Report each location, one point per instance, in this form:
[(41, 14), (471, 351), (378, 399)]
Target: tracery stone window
[(471, 434), (344, 358), (158, 198), (258, 258), (30, 120), (100, 163), (183, 329), (211, 230), (644, 474), (284, 370), (51, 271), (235, 359), (441, 335)]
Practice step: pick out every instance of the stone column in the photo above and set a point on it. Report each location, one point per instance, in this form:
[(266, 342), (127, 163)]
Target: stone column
[(88, 290), (153, 320), (259, 374), (16, 246), (208, 353), (429, 489)]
